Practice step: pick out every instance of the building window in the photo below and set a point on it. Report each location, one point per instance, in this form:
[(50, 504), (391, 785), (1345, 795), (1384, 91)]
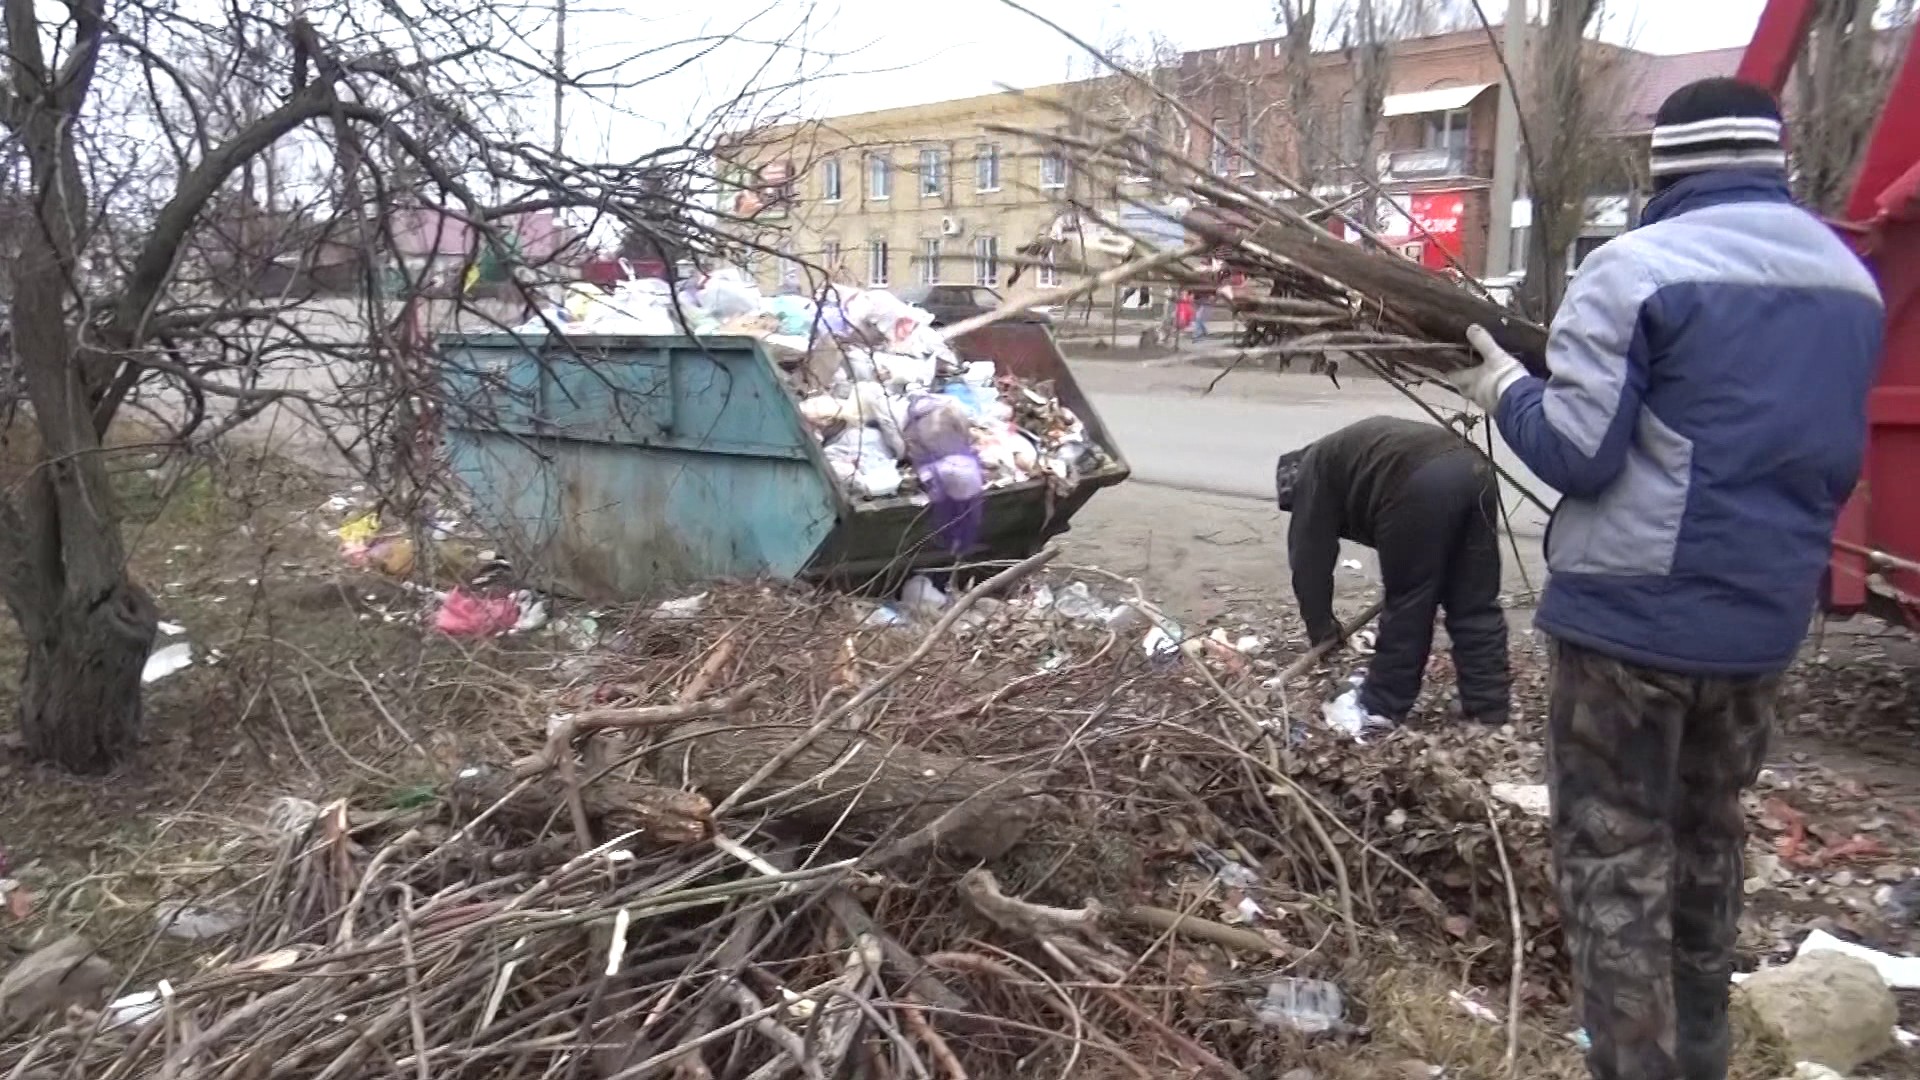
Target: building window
[(1049, 273), (879, 177), (830, 180), (789, 266), (933, 173), (1249, 140), (986, 167), (877, 261), (830, 256), (930, 261), (1221, 164), (986, 260), (1447, 130), (1053, 170)]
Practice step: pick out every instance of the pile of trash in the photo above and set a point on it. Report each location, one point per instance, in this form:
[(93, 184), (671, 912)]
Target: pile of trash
[(897, 411)]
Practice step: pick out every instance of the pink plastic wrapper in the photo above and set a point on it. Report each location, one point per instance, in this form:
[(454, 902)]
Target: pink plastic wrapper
[(463, 614)]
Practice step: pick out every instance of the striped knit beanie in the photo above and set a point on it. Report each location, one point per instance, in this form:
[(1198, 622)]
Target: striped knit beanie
[(1716, 124)]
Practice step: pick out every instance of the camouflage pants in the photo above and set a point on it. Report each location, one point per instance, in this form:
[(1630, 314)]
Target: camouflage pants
[(1646, 769)]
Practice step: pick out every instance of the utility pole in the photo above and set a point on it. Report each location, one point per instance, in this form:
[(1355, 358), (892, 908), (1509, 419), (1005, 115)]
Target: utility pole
[(559, 70), (1506, 144)]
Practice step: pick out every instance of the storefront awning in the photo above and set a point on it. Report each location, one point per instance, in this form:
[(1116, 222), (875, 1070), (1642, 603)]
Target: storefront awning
[(1445, 99)]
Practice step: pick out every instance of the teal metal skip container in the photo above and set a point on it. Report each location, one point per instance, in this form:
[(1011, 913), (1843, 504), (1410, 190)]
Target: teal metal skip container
[(613, 467)]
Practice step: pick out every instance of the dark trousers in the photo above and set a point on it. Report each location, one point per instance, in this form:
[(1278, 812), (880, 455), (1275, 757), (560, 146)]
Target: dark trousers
[(1440, 549), (1646, 769)]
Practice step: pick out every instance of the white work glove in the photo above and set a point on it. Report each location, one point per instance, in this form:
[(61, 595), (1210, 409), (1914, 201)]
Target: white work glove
[(1485, 382)]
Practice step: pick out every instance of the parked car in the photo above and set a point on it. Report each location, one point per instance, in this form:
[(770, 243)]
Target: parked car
[(953, 303)]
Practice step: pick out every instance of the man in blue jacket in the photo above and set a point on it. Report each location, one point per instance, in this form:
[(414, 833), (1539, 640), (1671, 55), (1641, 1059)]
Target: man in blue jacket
[(1704, 420)]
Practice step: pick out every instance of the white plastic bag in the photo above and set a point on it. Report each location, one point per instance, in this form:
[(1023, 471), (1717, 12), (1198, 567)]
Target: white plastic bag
[(882, 412), (903, 372), (728, 292), (859, 457)]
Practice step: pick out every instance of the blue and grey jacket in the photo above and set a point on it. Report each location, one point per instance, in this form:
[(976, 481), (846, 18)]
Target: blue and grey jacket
[(1704, 422)]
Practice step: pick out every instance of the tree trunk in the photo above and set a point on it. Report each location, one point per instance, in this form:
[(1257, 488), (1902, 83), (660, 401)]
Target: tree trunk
[(63, 570), (80, 704)]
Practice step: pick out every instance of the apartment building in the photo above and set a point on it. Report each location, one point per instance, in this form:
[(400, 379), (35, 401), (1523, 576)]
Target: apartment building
[(944, 192), (912, 195)]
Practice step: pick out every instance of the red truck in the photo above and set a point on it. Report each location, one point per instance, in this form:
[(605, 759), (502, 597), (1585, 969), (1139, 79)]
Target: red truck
[(1876, 548)]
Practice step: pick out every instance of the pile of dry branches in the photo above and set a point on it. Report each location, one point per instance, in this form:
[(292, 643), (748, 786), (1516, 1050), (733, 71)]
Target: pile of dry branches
[(771, 839)]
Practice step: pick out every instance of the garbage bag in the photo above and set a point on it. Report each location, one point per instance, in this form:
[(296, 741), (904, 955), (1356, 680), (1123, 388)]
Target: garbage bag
[(860, 459), (796, 314), (936, 427), (728, 292), (956, 490)]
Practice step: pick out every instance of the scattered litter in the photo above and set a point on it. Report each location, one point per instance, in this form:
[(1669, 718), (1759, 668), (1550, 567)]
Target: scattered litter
[(684, 608), (921, 596), (533, 613), (1160, 646), (1531, 798), (171, 629), (1352, 565), (463, 614), (1580, 1039), (1362, 643), (359, 530), (1226, 871), (1473, 1008), (884, 617), (1124, 616), (580, 633), (165, 662), (1899, 972), (1250, 644), (1344, 715), (189, 922), (1810, 1070), (1307, 1006), (1901, 903), (1078, 603), (135, 1010)]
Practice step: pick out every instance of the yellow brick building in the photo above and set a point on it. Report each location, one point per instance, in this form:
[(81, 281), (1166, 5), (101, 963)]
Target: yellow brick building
[(909, 195)]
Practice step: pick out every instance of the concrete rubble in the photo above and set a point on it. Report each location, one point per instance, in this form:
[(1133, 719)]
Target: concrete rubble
[(67, 972), (1826, 1008)]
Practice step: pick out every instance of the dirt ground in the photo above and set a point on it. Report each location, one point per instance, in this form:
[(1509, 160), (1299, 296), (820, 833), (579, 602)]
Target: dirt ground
[(314, 682)]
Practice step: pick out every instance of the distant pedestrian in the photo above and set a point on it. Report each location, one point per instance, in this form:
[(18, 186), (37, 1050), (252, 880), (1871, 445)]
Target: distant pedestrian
[(1425, 501)]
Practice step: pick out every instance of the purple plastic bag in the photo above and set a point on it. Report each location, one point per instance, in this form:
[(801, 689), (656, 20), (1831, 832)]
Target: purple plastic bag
[(941, 450)]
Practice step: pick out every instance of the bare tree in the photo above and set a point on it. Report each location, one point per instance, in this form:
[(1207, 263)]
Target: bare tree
[(1300, 21), (127, 132), (1838, 89), (1566, 109)]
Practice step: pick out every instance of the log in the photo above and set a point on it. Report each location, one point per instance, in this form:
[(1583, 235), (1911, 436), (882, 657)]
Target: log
[(663, 817), (1430, 304), (864, 783)]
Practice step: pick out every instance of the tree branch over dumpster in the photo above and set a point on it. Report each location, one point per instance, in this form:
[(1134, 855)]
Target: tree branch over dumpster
[(214, 224)]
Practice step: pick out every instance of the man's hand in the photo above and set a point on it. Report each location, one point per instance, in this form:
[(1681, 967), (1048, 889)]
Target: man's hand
[(1485, 382)]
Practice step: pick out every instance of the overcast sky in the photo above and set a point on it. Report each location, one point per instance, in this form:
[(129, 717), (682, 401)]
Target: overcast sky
[(886, 53)]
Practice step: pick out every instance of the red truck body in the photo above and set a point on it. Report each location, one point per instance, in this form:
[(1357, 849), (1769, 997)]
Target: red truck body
[(1876, 547)]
